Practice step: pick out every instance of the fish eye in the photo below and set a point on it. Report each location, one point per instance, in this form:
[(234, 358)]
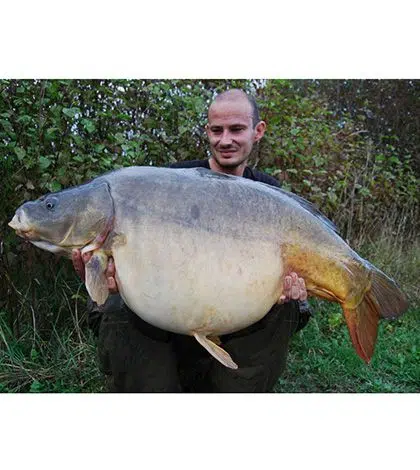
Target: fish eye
[(50, 204)]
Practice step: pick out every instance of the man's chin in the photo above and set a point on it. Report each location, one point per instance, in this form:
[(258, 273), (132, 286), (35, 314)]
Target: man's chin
[(229, 162)]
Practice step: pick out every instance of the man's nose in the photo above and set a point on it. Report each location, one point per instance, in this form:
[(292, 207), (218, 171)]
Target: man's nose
[(226, 138)]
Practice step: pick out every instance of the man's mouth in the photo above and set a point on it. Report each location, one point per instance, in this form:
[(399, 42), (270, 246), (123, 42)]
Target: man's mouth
[(227, 153)]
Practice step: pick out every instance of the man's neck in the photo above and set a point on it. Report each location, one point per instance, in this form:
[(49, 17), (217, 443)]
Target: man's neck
[(235, 171)]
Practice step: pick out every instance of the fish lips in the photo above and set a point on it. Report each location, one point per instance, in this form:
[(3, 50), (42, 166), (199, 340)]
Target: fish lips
[(29, 234), (21, 228)]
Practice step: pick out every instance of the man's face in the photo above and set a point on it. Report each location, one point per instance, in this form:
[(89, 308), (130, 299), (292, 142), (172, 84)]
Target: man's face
[(231, 134)]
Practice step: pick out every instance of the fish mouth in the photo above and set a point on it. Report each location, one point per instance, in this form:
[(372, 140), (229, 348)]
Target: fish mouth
[(23, 230), (15, 222), (27, 234)]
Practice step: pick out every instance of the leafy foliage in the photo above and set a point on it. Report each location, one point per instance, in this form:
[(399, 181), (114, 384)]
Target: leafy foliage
[(331, 159)]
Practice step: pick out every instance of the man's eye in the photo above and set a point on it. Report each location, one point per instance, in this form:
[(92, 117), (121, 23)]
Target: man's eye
[(236, 129)]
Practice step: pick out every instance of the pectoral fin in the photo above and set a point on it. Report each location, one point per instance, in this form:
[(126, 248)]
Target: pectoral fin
[(96, 282), (216, 351)]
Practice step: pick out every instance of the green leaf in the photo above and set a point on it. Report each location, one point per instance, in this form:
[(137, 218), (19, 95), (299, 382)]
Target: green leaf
[(55, 186), (77, 139), (24, 119), (99, 148), (71, 112), (51, 130), (7, 126), (120, 138), (89, 125), (36, 387), (364, 192), (34, 355), (332, 197), (44, 163), (20, 152)]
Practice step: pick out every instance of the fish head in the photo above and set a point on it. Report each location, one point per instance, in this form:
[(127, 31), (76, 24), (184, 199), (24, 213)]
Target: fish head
[(68, 219)]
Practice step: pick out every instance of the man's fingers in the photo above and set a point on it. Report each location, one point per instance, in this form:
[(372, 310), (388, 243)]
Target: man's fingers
[(110, 274), (112, 285), (110, 270), (302, 288), (295, 292), (86, 256), (294, 288)]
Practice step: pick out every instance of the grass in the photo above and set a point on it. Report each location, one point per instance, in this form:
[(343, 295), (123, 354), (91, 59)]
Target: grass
[(64, 363), (321, 357)]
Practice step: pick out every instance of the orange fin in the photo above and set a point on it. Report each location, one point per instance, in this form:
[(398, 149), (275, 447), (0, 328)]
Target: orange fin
[(390, 300), (216, 351), (383, 300), (362, 323)]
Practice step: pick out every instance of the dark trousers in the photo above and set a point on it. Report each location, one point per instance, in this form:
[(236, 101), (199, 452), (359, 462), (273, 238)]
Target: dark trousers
[(137, 357)]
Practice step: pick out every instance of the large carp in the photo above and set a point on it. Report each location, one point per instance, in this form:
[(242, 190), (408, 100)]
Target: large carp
[(205, 254)]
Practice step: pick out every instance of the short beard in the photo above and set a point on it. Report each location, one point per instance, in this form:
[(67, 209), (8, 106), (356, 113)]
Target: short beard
[(229, 165)]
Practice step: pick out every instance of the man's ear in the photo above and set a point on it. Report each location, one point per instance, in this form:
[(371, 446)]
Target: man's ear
[(207, 128), (259, 131)]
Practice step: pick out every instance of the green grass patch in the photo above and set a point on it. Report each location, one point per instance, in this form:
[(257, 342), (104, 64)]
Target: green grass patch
[(66, 362), (322, 358)]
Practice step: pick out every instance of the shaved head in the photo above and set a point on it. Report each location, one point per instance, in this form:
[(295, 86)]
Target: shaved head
[(235, 95)]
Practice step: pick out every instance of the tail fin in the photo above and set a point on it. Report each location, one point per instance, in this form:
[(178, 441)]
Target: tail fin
[(362, 323), (391, 300), (383, 300)]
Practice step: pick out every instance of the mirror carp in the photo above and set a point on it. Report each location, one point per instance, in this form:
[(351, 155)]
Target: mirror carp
[(205, 254)]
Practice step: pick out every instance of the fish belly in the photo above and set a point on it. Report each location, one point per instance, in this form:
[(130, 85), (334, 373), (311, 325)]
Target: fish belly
[(185, 280)]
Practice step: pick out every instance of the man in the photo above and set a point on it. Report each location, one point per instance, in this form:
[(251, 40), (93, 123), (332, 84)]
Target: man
[(139, 357)]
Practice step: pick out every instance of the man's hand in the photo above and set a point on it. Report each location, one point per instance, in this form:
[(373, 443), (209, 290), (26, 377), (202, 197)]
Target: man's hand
[(79, 262), (294, 289)]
